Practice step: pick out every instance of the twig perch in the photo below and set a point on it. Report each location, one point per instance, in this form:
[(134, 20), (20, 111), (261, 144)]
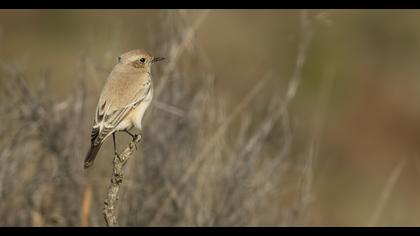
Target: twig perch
[(117, 177)]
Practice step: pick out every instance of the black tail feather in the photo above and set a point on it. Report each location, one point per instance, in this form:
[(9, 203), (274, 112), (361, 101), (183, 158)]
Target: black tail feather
[(91, 155)]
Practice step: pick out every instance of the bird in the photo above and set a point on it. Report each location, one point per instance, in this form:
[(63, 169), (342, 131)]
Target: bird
[(124, 99)]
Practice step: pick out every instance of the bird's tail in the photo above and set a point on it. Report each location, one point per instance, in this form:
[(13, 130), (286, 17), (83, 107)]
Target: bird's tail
[(91, 155)]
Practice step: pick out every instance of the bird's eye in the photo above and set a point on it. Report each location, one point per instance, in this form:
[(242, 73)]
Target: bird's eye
[(142, 60)]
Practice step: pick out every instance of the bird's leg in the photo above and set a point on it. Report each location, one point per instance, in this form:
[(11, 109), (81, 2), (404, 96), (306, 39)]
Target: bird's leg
[(115, 145), (134, 136)]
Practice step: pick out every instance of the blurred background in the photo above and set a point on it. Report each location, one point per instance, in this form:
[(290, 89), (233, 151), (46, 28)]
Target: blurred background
[(259, 118)]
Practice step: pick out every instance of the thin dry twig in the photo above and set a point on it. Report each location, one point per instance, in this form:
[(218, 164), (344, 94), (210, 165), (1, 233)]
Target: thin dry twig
[(117, 177), (386, 193), (170, 109), (307, 33)]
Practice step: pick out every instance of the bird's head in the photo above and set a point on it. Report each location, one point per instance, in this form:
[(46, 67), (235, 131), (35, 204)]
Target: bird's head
[(139, 59)]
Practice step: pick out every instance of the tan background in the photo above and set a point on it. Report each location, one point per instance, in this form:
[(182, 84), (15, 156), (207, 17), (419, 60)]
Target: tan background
[(371, 59)]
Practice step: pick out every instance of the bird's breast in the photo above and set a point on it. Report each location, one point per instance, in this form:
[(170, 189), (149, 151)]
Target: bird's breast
[(138, 112)]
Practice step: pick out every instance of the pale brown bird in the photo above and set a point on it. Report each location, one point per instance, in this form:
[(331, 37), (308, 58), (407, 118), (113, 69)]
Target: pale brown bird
[(124, 99)]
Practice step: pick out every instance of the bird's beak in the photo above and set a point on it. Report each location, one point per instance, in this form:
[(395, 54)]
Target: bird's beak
[(156, 59)]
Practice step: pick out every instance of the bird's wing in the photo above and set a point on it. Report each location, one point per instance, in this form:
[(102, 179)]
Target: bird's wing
[(107, 118)]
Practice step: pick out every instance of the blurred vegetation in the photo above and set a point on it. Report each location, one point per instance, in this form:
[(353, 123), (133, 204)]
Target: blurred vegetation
[(227, 141)]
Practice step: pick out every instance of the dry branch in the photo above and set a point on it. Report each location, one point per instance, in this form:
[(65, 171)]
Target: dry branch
[(117, 177)]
